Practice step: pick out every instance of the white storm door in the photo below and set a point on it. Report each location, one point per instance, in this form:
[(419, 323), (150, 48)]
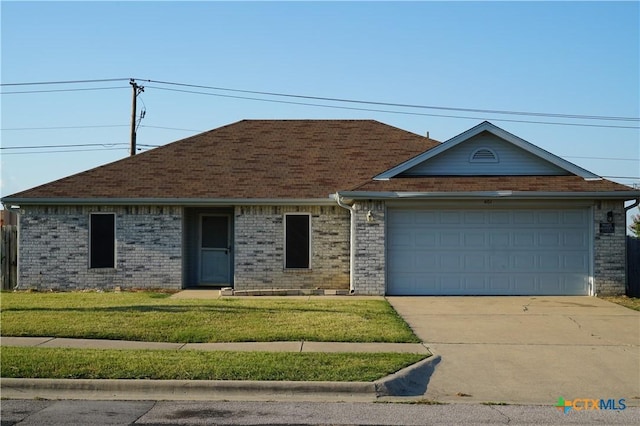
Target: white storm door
[(215, 249)]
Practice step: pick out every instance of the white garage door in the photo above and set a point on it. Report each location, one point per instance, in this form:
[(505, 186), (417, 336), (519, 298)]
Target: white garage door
[(488, 252)]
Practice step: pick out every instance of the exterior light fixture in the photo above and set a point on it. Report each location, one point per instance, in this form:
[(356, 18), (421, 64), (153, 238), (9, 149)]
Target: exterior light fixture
[(610, 216)]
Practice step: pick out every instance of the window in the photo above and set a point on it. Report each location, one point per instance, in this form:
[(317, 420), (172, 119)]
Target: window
[(102, 240), (297, 243), (483, 155)]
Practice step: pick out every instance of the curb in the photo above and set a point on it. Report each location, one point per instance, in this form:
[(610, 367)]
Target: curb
[(410, 381), (182, 389)]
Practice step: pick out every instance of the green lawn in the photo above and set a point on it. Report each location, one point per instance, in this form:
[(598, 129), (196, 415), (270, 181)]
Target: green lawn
[(63, 363), (627, 302), (147, 316)]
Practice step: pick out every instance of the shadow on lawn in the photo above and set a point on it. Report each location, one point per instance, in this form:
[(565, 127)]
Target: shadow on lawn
[(190, 308)]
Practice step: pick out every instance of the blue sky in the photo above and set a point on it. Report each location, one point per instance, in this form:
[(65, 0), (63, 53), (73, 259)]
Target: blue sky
[(550, 57)]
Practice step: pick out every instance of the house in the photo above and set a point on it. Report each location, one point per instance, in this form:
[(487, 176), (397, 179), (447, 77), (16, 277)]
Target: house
[(330, 204)]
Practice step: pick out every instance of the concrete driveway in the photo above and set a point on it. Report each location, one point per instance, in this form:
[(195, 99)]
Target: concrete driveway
[(528, 350)]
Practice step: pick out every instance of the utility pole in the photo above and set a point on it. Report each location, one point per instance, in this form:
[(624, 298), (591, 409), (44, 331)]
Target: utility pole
[(136, 91)]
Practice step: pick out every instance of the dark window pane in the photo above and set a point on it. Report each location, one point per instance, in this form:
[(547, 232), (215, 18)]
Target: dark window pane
[(102, 241), (215, 231), (297, 241)]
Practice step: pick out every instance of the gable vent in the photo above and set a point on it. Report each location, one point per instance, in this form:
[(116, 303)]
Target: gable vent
[(483, 155)]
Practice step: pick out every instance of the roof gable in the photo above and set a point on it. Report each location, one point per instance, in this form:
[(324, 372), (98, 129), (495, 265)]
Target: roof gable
[(486, 150)]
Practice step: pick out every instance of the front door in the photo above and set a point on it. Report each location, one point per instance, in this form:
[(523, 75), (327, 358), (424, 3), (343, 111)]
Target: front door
[(215, 250)]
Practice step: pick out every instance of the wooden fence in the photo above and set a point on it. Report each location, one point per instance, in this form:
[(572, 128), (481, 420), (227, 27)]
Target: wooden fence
[(9, 257), (633, 266)]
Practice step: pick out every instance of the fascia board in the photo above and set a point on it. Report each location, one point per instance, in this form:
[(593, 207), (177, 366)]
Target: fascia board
[(621, 195), (189, 202), (503, 134)]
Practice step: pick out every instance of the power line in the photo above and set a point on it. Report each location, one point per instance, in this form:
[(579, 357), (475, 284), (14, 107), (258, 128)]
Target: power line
[(601, 158), (96, 126), (62, 151), (394, 112), (64, 127), (357, 101), (172, 128), (62, 146), (477, 110), (34, 83), (60, 90)]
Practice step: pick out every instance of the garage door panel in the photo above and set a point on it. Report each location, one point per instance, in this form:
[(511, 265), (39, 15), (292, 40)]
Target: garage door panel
[(474, 239), (574, 217), (475, 262), (524, 262), (400, 217), (451, 283), (524, 239), (575, 262), (475, 218), (524, 284), (551, 284), (483, 252), (426, 218), (451, 217), (449, 261), (499, 239), (500, 218), (549, 239), (499, 283), (401, 239), (425, 238), (549, 262), (475, 283), (499, 261), (574, 239), (524, 218), (549, 218)]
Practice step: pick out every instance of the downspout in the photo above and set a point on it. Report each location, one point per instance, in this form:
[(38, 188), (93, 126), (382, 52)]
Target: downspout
[(352, 239), (626, 209)]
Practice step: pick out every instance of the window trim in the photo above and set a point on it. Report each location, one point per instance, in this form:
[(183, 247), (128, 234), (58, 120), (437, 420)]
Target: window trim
[(115, 242), (309, 266)]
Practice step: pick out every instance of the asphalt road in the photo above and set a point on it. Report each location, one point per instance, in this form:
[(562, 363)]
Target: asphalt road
[(75, 412)]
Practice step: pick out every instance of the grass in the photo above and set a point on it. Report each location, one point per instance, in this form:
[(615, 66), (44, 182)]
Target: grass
[(65, 363), (421, 401), (147, 316), (627, 302)]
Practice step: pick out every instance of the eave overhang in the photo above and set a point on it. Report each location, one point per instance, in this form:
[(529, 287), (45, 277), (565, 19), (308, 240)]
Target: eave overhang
[(515, 195), (187, 202)]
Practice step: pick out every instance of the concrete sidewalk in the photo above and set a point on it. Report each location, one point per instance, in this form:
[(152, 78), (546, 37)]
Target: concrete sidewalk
[(299, 346)]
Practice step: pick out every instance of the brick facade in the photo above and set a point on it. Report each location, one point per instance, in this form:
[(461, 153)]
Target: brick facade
[(54, 248), (370, 259), (609, 250), (370, 266), (259, 249)]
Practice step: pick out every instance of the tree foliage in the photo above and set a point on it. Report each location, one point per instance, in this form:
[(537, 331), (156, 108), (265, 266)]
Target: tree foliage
[(635, 225)]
